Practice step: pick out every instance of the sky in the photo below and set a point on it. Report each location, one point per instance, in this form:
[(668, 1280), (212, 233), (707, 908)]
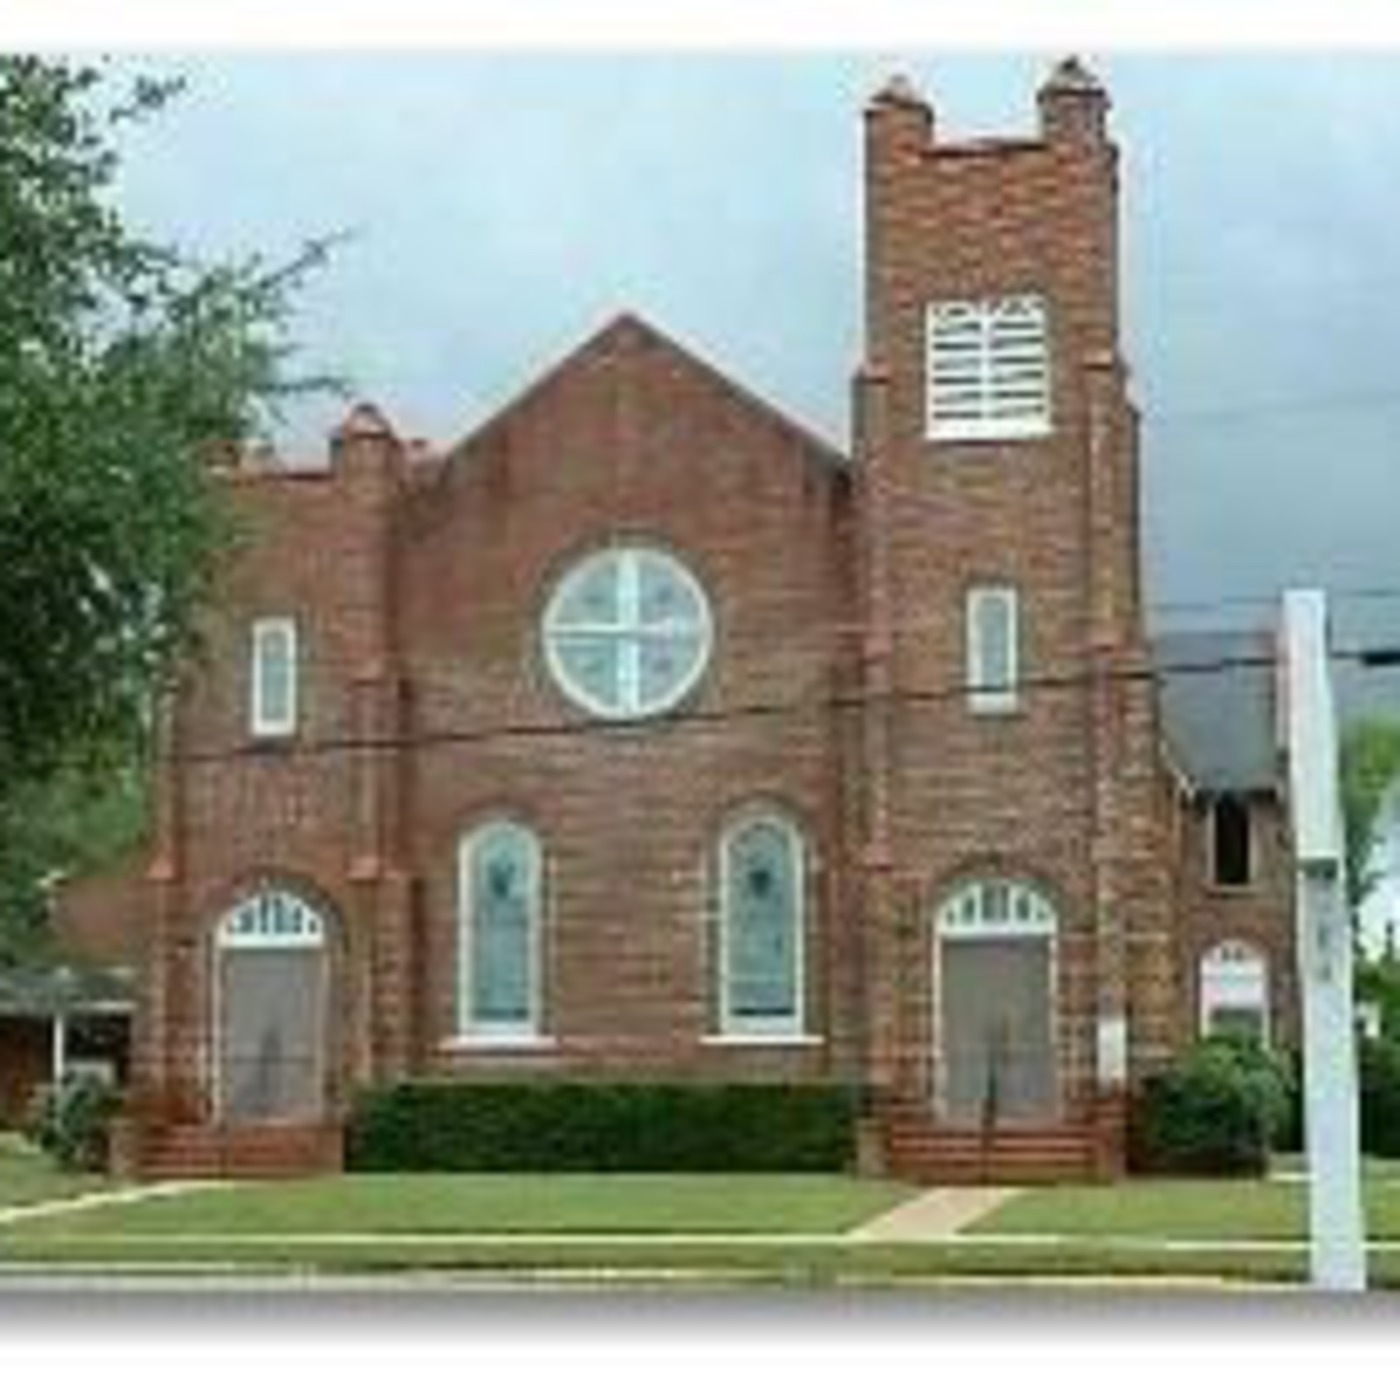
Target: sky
[(503, 207)]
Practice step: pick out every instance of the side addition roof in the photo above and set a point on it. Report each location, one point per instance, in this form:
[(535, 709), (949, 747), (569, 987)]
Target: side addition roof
[(1219, 716)]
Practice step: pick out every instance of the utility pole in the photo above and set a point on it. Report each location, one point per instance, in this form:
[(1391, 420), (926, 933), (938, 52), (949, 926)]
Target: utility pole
[(1335, 1214)]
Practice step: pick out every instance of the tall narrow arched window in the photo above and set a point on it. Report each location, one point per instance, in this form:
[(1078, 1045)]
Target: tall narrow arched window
[(500, 899), (762, 928)]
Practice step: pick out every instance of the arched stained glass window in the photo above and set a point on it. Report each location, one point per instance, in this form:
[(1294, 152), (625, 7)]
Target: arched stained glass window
[(762, 928), (500, 900)]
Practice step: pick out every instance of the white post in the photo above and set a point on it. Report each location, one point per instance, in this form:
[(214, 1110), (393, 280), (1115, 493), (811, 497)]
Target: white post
[(58, 1046), (1335, 1212)]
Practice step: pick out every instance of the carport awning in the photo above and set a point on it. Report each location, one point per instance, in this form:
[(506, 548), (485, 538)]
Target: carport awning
[(67, 991)]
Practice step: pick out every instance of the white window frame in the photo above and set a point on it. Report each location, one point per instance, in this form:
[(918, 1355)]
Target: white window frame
[(969, 383), (266, 722), (1249, 990), (630, 705), (770, 1029), (984, 698), (472, 1029), (261, 921), (1252, 850), (966, 914)]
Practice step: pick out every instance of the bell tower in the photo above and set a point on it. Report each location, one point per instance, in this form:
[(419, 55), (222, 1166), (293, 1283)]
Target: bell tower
[(1009, 735)]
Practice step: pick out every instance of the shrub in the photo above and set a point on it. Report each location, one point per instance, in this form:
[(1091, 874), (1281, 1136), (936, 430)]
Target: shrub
[(72, 1121), (1216, 1111), (588, 1126)]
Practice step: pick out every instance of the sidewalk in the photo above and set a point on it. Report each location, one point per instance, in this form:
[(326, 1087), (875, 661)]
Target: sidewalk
[(934, 1215), (67, 1205)]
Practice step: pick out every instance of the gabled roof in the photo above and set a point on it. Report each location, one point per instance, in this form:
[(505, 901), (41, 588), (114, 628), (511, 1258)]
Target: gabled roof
[(1219, 716), (629, 332)]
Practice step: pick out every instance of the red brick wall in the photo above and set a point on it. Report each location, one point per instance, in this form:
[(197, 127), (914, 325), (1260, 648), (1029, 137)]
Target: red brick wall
[(1260, 914), (1062, 792), (630, 439), (420, 583), (631, 442), (105, 917)]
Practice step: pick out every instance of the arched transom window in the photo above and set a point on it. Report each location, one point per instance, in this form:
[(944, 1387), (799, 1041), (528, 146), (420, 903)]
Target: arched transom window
[(762, 928), (273, 918), (996, 909), (627, 633), (500, 893), (1234, 991)]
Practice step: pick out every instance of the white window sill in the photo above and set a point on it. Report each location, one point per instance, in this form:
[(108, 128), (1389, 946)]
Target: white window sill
[(482, 1043), (978, 432), (993, 706), (773, 1039)]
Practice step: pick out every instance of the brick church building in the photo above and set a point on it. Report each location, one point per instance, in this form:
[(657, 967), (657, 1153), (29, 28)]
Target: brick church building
[(645, 733)]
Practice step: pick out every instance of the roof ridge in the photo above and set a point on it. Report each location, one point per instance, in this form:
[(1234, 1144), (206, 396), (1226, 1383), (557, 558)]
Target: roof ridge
[(628, 323)]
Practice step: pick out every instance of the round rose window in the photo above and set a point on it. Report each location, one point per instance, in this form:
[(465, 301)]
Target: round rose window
[(627, 633)]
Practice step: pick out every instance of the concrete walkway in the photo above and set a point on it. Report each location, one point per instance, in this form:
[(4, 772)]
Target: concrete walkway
[(67, 1205), (934, 1215)]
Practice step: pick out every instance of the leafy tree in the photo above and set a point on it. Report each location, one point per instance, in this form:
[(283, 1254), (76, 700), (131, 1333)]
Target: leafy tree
[(123, 364), (1370, 765), (79, 820)]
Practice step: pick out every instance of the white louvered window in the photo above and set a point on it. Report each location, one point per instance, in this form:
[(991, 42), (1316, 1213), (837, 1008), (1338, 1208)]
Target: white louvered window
[(274, 677), (988, 369), (993, 650)]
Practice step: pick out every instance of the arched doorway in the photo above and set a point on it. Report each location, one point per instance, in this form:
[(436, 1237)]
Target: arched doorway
[(271, 990), (995, 1059)]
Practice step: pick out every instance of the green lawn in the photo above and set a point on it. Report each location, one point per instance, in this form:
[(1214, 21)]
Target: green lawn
[(27, 1176), (670, 1228), (1184, 1210), (503, 1204)]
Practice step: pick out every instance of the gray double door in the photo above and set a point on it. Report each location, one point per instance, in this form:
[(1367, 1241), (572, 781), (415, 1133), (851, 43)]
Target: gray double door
[(271, 1034), (997, 1042)]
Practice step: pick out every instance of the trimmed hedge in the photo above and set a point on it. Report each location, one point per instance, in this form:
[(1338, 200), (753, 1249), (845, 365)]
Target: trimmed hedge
[(1215, 1112), (432, 1125)]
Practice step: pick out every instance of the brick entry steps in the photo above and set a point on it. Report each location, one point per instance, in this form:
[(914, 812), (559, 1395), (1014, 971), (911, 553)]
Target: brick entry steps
[(917, 1148), (262, 1151)]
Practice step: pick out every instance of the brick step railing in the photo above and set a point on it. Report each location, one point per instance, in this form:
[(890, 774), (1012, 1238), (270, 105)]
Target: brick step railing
[(211, 1150)]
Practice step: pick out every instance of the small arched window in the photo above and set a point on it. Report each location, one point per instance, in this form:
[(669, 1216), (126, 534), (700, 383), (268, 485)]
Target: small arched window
[(762, 928), (273, 918), (1234, 991), (996, 909), (500, 899)]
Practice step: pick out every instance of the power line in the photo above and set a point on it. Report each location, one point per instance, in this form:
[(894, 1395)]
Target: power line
[(1276, 408), (1378, 593), (815, 705)]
